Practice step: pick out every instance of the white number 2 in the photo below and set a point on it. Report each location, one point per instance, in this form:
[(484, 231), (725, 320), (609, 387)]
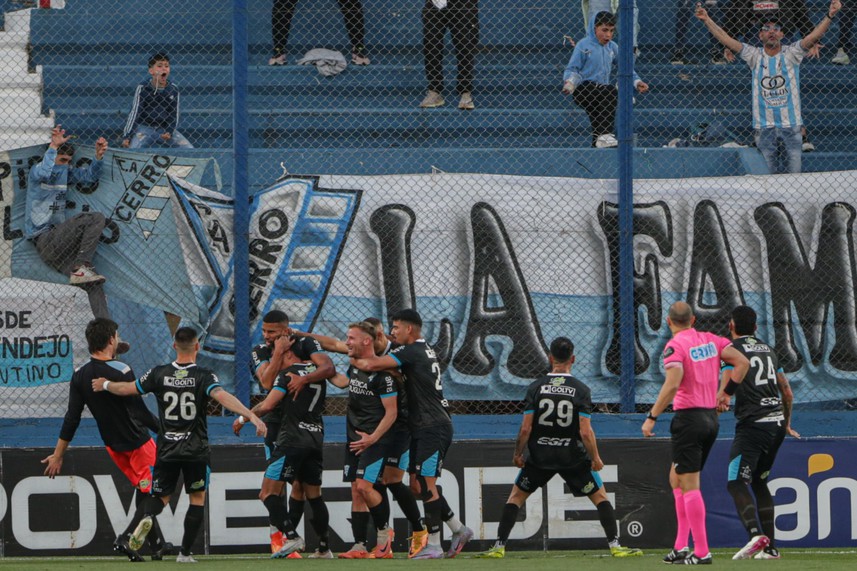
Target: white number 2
[(764, 374), (564, 413)]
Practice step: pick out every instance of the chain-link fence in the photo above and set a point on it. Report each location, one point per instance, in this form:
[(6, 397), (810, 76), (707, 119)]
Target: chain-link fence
[(475, 160)]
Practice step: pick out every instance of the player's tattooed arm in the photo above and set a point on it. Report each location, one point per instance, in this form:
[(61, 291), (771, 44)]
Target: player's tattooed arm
[(788, 398), (587, 436), (523, 437)]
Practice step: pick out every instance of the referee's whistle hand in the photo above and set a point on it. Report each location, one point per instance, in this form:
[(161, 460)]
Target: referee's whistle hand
[(649, 428)]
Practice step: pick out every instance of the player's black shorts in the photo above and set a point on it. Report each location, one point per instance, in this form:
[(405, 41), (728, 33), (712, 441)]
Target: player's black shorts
[(165, 476), (302, 464), (581, 480), (398, 451), (694, 431), (428, 449), (367, 466), (754, 451)]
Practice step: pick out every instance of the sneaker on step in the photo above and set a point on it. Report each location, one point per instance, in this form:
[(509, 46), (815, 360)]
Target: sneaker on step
[(807, 146), (277, 59), (619, 551), (277, 539), (85, 275), (607, 141), (841, 58), (430, 552), (419, 540), (692, 559), (289, 546), (384, 545), (676, 555), (143, 528), (756, 544), (768, 553), (496, 552), (326, 554), (432, 99), (357, 551), (185, 558), (458, 540), (466, 102), (121, 546)]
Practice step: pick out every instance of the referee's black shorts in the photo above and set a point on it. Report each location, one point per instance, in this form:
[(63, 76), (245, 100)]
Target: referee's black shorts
[(693, 431)]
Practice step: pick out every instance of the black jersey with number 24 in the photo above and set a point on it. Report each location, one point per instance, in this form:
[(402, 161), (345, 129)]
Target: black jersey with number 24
[(183, 392), (557, 401), (757, 398), (421, 371)]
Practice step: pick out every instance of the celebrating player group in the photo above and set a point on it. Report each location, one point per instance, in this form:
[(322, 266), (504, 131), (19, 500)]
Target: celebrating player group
[(398, 421)]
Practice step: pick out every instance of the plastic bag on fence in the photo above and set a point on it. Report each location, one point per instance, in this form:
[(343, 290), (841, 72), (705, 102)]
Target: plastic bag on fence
[(328, 62), (711, 133)]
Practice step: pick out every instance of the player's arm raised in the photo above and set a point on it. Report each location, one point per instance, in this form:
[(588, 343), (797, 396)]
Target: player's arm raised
[(267, 372), (323, 371), (117, 388), (587, 436), (373, 364), (329, 344), (229, 402)]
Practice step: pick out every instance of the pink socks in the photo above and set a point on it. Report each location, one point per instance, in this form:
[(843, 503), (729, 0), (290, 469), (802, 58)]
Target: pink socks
[(694, 508), (681, 517)]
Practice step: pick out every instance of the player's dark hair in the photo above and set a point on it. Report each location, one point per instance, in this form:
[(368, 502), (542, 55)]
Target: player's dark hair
[(376, 323), (99, 332), (408, 316), (276, 316), (562, 349), (363, 326), (605, 19), (185, 338), (66, 149), (744, 318), (160, 56)]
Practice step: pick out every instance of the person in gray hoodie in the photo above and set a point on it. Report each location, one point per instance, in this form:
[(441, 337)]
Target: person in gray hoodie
[(587, 78)]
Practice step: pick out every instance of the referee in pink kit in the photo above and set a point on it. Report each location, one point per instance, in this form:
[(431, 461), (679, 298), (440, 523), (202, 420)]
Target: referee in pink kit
[(692, 363)]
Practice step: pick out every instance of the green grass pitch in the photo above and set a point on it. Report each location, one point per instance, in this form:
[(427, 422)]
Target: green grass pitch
[(792, 560)]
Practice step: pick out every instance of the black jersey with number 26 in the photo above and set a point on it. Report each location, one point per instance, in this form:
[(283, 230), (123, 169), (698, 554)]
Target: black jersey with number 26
[(421, 371), (757, 398), (183, 392), (556, 402)]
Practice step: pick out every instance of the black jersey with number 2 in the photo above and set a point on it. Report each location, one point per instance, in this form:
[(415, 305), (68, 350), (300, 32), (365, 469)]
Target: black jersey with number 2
[(757, 398), (557, 402), (183, 392), (301, 424), (421, 372)]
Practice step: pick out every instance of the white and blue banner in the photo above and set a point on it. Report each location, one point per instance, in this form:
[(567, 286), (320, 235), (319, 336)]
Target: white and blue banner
[(497, 265)]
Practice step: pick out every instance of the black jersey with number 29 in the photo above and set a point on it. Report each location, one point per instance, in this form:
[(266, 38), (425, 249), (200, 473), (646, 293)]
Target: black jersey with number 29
[(183, 392), (421, 371), (556, 402)]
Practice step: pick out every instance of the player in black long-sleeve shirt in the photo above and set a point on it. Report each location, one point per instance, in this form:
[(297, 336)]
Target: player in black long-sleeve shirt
[(122, 423)]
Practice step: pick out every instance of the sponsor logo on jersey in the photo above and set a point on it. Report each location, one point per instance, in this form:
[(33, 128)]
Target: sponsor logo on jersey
[(552, 441), (703, 352), (557, 381), (176, 436), (561, 390), (178, 382), (309, 427), (181, 374)]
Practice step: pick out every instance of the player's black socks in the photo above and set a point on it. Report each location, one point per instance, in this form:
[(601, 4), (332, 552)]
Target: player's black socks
[(385, 499), (765, 504), (149, 505), (321, 521), (408, 504), (745, 506), (445, 511), (433, 511), (507, 522), (380, 515), (277, 515), (192, 522), (359, 526), (296, 511), (607, 517)]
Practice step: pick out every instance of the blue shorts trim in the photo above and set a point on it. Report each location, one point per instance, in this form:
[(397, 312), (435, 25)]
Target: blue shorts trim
[(429, 467), (275, 468), (373, 471), (734, 468)]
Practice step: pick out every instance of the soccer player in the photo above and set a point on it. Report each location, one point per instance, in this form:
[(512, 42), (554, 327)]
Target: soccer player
[(298, 452), (692, 363), (279, 350), (431, 430), (763, 410), (372, 411), (183, 390), (122, 424), (398, 455), (561, 441)]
